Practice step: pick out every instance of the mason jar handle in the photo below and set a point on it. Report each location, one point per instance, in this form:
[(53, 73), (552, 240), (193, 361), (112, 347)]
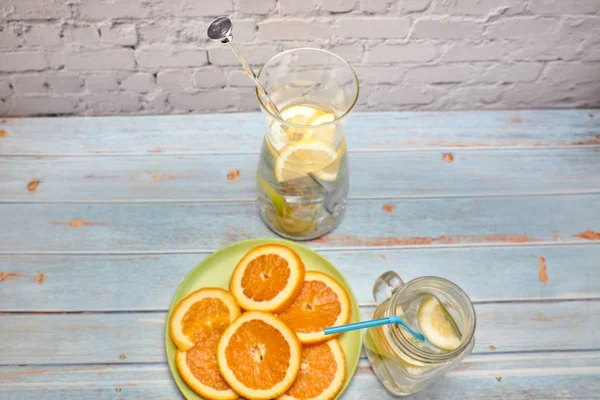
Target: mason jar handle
[(385, 285)]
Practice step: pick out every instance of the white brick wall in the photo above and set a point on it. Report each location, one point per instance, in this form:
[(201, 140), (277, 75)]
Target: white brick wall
[(99, 57)]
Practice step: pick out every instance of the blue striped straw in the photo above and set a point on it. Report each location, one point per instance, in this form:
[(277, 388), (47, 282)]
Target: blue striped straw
[(374, 322)]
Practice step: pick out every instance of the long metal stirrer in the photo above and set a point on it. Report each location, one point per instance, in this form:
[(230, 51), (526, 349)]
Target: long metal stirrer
[(221, 29)]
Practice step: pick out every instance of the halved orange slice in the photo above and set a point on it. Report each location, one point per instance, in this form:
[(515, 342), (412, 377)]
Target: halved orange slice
[(199, 314), (322, 373), (322, 303), (268, 278), (259, 356), (198, 368)]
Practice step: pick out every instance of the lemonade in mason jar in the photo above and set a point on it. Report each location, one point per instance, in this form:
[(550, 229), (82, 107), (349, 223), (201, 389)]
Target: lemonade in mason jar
[(432, 306), (302, 176)]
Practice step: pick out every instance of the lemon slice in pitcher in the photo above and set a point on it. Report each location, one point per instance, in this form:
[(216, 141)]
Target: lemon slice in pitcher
[(323, 119), (437, 324), (284, 212), (300, 115), (276, 199), (282, 135), (326, 133), (309, 156)]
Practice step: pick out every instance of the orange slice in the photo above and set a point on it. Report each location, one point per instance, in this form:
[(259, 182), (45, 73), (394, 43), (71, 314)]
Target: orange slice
[(322, 373), (322, 303), (268, 278), (199, 370), (259, 356), (199, 314)]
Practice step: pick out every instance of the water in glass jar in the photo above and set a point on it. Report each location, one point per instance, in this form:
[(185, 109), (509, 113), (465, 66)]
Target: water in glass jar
[(436, 318), (303, 172)]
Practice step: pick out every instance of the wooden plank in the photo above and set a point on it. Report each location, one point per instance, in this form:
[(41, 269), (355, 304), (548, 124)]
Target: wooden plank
[(368, 223), (128, 178), (494, 379), (137, 381), (117, 283), (134, 337), (242, 133), (542, 376), (390, 174)]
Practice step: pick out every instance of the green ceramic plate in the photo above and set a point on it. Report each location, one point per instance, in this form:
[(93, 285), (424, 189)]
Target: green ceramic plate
[(216, 270)]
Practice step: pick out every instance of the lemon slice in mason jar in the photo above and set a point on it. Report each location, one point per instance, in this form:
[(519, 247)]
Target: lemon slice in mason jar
[(437, 324), (309, 156), (327, 133)]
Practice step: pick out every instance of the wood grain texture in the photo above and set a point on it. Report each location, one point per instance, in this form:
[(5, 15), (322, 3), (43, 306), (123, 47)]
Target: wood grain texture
[(105, 337), (519, 379), (148, 282), (101, 218), (390, 174), (183, 227), (538, 375), (242, 133)]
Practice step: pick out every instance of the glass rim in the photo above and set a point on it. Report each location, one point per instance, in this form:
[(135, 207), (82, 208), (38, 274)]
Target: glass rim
[(329, 53), (426, 356)]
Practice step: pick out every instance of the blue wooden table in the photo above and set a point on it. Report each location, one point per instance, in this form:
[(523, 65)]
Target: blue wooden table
[(101, 218)]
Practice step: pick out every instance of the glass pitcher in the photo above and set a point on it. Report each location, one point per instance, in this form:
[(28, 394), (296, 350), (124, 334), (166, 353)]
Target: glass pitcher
[(402, 363), (302, 176)]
